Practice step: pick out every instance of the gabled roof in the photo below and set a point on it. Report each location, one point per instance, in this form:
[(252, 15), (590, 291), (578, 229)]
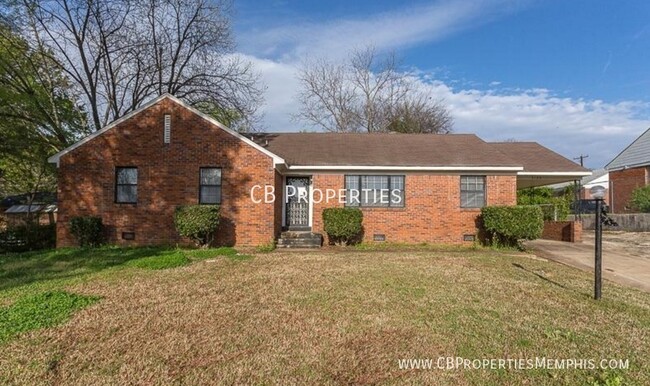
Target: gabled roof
[(537, 159), (385, 151), (55, 158), (636, 154)]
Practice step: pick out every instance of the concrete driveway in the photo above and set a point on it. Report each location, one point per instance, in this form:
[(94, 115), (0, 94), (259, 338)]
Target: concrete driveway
[(626, 256)]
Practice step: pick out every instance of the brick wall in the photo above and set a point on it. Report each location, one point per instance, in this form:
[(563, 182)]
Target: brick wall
[(570, 231), (432, 210), (622, 183), (168, 176)]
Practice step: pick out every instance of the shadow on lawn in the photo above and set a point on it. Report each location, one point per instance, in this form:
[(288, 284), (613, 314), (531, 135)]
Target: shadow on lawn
[(26, 268), (539, 276)]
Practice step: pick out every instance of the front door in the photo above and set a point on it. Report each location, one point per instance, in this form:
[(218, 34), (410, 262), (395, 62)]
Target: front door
[(297, 202)]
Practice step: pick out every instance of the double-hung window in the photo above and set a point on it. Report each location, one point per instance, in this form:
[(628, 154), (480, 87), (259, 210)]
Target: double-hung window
[(472, 191), (210, 186), (126, 185), (374, 191)]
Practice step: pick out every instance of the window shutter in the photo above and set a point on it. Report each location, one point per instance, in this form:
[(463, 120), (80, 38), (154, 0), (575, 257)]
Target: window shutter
[(168, 128)]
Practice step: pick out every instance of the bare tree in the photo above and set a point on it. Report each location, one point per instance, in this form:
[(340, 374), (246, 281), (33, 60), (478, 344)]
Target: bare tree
[(367, 94), (121, 53), (419, 113)]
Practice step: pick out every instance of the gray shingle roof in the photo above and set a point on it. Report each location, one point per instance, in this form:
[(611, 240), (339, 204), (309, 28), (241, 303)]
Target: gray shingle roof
[(636, 154)]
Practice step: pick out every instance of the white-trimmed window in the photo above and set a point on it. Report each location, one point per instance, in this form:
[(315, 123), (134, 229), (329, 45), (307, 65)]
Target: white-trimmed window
[(374, 191), (472, 191)]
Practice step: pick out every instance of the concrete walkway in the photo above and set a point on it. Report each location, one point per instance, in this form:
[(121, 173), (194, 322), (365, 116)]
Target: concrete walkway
[(618, 266)]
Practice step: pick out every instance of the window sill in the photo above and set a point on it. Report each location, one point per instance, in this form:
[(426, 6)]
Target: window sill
[(470, 209), (374, 208)]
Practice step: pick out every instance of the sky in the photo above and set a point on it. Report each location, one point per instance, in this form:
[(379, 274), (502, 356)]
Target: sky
[(571, 75)]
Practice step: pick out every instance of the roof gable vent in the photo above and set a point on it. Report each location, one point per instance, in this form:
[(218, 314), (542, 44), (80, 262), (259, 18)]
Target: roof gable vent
[(167, 128)]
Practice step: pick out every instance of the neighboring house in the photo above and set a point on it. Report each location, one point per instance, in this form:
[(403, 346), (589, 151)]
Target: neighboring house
[(136, 171), (599, 178), (19, 208), (44, 214), (627, 171), (43, 197)]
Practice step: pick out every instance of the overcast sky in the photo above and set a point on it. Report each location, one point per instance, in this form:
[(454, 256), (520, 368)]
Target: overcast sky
[(572, 75)]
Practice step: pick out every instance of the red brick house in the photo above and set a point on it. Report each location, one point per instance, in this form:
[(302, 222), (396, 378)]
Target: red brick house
[(137, 170), (627, 171)]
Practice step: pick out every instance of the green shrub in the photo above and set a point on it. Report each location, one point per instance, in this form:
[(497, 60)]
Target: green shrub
[(343, 225), (197, 222), (641, 199), (505, 225), (556, 206), (28, 237), (550, 204), (534, 196), (87, 230)]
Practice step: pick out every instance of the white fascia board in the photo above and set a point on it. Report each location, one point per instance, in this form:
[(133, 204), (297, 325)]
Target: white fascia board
[(409, 168), (555, 174), (56, 157)]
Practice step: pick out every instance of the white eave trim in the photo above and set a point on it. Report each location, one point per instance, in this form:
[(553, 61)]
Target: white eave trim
[(56, 157), (555, 174), (409, 168)]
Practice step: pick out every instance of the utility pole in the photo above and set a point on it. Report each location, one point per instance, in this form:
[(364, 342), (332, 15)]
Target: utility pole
[(582, 159)]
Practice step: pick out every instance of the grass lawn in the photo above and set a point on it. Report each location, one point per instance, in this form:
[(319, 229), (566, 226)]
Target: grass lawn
[(153, 316)]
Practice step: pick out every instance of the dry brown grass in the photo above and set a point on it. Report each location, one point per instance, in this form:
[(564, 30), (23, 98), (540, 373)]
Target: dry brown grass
[(336, 318)]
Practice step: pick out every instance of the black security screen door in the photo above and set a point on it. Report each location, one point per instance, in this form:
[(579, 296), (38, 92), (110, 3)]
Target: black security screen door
[(297, 202)]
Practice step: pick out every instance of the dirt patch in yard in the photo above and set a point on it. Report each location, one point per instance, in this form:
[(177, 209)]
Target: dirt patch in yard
[(632, 243)]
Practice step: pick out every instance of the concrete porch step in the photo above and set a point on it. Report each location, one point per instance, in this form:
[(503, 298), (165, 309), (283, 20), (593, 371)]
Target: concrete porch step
[(295, 239)]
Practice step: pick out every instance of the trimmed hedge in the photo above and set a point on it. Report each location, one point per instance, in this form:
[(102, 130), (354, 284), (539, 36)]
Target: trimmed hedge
[(28, 237), (197, 222), (506, 225), (343, 225), (88, 230)]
